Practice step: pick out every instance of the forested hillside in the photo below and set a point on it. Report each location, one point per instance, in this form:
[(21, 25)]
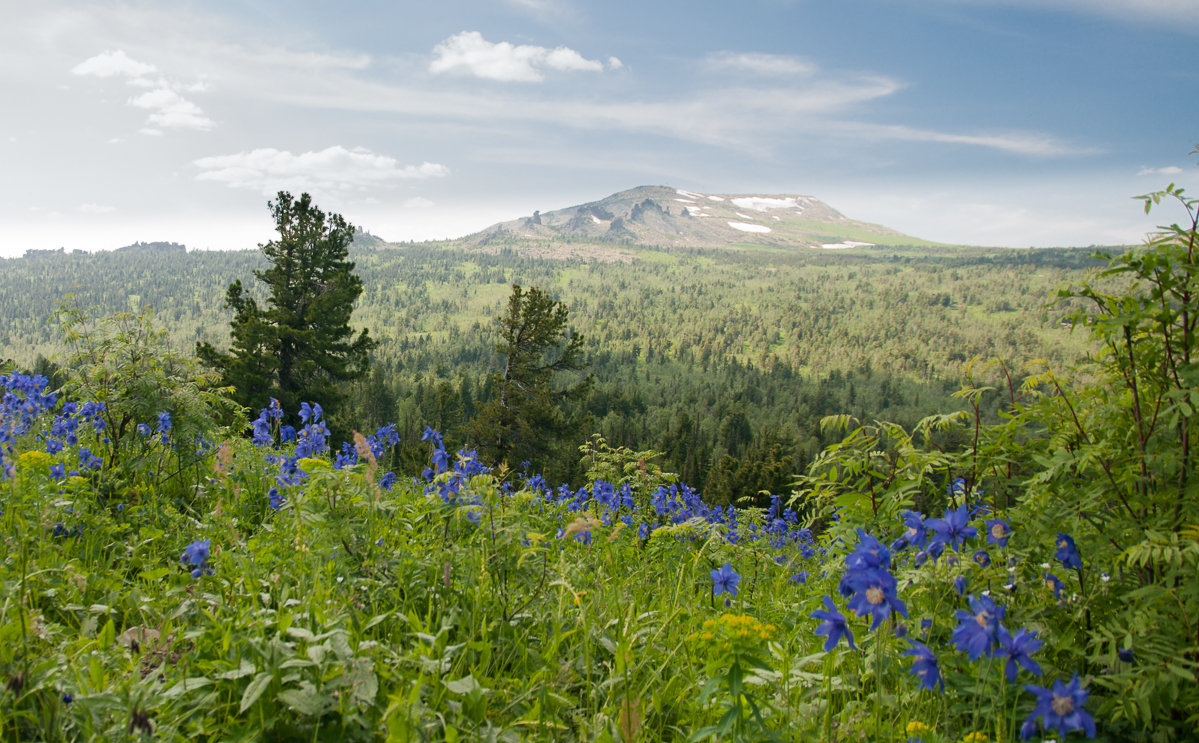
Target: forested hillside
[(725, 360)]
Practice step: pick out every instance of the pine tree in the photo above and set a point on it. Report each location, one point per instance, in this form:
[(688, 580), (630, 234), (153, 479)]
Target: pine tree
[(300, 346), (525, 417)]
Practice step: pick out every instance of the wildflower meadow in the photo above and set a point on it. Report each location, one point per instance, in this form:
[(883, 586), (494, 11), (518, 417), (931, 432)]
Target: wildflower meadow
[(176, 568)]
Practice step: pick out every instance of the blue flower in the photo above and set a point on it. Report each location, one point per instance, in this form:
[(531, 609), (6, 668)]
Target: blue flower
[(1126, 655), (982, 558), (959, 584), (874, 594), (1052, 581), (916, 533), (725, 580), (954, 529), (1017, 648), (311, 412), (998, 532), (143, 429), (868, 581), (1059, 708), (441, 459), (164, 422), (925, 666), (262, 431), (975, 634), (196, 555), (1067, 552), (833, 626)]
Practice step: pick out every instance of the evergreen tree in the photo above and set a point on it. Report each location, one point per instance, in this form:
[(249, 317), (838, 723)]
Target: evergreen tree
[(524, 417), (300, 347)]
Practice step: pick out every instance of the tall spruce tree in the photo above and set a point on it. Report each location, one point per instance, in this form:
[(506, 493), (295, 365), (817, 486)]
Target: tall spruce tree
[(300, 346), (524, 417)]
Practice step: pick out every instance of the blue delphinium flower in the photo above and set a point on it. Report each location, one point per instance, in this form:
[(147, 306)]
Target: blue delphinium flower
[(869, 583), (833, 626), (1067, 552), (1053, 582), (999, 532), (959, 584), (976, 633), (275, 499), (1017, 648), (725, 580), (982, 558), (196, 555), (916, 534), (88, 460), (262, 431), (1126, 655), (311, 412), (1061, 708), (143, 429), (163, 429), (925, 666), (387, 480), (952, 530)]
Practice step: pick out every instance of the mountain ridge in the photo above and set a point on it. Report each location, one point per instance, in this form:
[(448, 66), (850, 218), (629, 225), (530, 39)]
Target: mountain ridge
[(668, 217)]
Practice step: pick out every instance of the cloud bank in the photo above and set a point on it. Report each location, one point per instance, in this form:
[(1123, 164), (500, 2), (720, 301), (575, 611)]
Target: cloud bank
[(330, 170), (468, 53), (168, 109)]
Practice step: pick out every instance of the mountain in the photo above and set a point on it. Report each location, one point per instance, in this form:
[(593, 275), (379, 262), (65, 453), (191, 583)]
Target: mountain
[(669, 217)]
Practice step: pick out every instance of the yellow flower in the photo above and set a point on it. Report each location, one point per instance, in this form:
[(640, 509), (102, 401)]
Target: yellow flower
[(310, 465), (915, 727), (975, 737), (33, 460)]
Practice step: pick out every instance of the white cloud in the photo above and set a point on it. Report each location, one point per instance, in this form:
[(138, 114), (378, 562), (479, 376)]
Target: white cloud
[(1168, 170), (418, 202), (470, 54), (111, 64), (1020, 143), (96, 208), (168, 109), (762, 64), (171, 110), (330, 170)]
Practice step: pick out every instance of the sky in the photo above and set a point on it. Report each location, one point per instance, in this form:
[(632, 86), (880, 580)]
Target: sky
[(1011, 123)]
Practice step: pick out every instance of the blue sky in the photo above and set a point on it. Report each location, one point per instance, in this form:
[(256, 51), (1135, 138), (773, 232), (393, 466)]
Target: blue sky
[(987, 122)]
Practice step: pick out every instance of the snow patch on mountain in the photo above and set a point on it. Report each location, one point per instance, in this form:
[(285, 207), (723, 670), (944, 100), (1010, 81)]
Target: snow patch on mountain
[(762, 203), (749, 227)]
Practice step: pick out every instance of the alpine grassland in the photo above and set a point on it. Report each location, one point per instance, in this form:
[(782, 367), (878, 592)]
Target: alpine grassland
[(1020, 566)]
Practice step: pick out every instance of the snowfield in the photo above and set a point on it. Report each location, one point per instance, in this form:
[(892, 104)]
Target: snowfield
[(762, 203), (748, 227)]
